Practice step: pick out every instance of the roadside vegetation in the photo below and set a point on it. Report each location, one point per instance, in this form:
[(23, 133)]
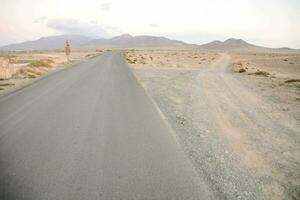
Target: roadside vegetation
[(17, 68)]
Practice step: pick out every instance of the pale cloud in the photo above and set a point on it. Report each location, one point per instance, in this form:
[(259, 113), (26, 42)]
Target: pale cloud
[(74, 26), (40, 19), (154, 25), (105, 6)]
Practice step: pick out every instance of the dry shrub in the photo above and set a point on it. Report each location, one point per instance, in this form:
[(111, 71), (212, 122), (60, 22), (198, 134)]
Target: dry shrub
[(6, 84), (92, 55), (41, 63), (260, 73), (131, 61), (34, 71), (242, 70), (19, 74), (32, 76), (49, 60), (27, 72), (292, 80)]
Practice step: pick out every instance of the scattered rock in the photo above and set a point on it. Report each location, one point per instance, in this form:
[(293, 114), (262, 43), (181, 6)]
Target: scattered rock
[(242, 70), (260, 73), (292, 80), (285, 109), (181, 120)]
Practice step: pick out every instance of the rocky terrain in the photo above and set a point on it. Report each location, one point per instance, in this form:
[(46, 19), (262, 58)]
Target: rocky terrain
[(239, 127)]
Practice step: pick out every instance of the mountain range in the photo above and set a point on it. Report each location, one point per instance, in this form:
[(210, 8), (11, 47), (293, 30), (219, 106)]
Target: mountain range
[(126, 41), (79, 41)]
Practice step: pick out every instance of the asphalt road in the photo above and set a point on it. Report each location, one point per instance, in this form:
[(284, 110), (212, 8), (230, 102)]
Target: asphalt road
[(91, 132)]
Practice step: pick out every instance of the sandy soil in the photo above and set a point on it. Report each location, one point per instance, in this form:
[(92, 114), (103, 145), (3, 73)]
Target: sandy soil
[(170, 58), (22, 67), (279, 80), (241, 131)]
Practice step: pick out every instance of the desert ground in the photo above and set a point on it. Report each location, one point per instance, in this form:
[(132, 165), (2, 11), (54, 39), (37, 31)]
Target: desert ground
[(235, 113), (19, 68)]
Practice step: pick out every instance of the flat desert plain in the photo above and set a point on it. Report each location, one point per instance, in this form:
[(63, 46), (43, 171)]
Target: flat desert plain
[(235, 113)]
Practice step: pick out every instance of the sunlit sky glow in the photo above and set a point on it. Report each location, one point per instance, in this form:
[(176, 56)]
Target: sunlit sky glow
[(272, 23)]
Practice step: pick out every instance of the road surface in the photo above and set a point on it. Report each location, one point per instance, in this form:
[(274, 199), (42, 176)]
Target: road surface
[(91, 132)]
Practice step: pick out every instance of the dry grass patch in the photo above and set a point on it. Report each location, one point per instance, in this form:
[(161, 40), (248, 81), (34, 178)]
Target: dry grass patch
[(6, 84), (32, 76), (41, 63)]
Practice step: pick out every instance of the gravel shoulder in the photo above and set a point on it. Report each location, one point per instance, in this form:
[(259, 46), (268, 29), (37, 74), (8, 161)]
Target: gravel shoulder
[(242, 143)]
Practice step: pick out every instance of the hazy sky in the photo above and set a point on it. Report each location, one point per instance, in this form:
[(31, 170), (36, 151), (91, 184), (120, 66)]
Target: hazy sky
[(273, 23)]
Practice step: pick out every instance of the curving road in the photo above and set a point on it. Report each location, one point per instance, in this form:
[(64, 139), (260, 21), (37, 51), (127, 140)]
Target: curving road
[(91, 132)]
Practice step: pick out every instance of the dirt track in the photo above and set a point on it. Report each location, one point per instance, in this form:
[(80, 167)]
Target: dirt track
[(242, 143)]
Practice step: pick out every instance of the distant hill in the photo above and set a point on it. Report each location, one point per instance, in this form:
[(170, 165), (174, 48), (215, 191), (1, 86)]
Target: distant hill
[(228, 44), (51, 42), (128, 41), (239, 44), (122, 41)]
